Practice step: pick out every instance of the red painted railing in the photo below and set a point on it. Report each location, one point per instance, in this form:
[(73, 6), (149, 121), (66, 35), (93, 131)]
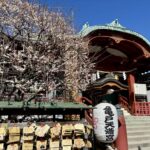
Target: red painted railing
[(141, 108), (137, 109), (123, 102), (88, 113), (86, 100)]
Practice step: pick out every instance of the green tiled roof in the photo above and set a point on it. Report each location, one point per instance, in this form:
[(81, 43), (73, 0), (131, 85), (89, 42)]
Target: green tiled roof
[(47, 105), (114, 26)]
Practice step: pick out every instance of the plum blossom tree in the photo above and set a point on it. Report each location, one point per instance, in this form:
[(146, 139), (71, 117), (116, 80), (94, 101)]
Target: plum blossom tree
[(39, 53)]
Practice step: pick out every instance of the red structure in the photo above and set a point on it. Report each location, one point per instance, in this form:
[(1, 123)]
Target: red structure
[(115, 49)]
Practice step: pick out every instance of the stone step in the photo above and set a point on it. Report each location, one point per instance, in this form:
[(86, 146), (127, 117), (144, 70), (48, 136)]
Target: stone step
[(135, 120), (142, 148), (126, 114), (138, 133), (138, 118), (125, 111), (137, 124), (142, 143), (138, 138), (135, 127)]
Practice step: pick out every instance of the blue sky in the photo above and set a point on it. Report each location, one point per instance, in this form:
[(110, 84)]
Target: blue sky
[(133, 14)]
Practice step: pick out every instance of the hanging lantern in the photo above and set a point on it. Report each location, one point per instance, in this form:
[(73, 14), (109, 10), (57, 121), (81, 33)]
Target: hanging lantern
[(105, 122)]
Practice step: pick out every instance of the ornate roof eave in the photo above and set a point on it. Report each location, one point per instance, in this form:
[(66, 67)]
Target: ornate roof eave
[(113, 26)]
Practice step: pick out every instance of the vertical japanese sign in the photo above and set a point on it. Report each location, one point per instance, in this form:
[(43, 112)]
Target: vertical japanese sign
[(105, 122)]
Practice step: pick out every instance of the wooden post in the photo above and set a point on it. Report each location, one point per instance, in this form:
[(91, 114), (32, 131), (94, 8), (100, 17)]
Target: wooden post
[(131, 81), (121, 142)]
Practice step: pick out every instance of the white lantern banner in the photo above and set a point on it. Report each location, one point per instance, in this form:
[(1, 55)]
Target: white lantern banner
[(105, 122)]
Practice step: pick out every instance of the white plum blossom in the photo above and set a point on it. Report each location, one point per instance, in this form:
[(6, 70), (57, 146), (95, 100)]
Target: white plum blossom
[(39, 51)]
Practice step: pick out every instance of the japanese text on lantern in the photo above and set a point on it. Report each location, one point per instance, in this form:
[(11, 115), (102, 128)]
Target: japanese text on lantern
[(109, 124)]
